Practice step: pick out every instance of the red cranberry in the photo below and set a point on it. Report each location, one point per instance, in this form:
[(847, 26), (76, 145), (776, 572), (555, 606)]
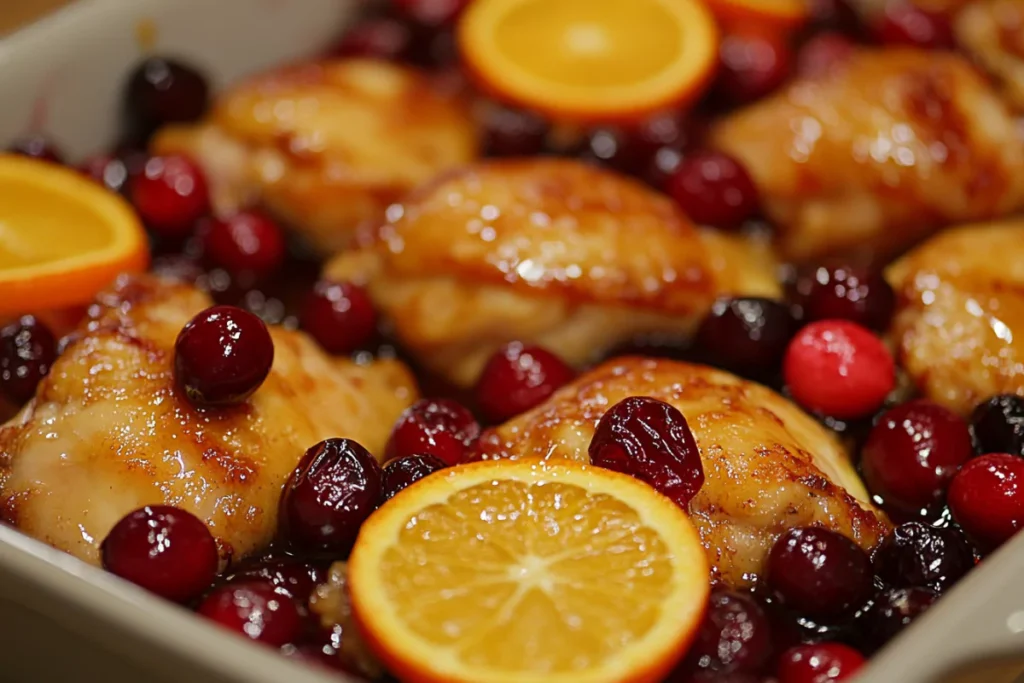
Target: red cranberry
[(256, 610), (291, 576), (650, 440), (714, 189), (818, 573), (903, 23), (746, 334), (633, 149), (987, 498), (335, 487), (997, 425), (734, 637), (339, 316), (834, 15), (820, 663), (36, 146), (222, 356), (847, 293), (513, 133), (381, 38), (752, 63), (106, 169), (912, 454), (823, 54), (248, 241), (162, 91), (517, 378), (407, 470), (431, 12), (892, 612), (27, 350), (431, 47), (163, 549), (438, 427), (839, 368), (170, 195), (920, 555)]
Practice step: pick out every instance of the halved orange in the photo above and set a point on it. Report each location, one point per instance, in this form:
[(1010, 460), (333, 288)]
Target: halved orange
[(782, 14), (63, 237), (590, 60), (525, 571)]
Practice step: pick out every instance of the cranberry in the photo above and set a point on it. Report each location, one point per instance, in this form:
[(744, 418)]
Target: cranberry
[(162, 91), (431, 12), (903, 23), (170, 195), (339, 316), (920, 555), (36, 146), (513, 133), (820, 663), (27, 350), (407, 470), (517, 378), (222, 356), (839, 368), (633, 149), (381, 38), (247, 241), (746, 334), (291, 576), (438, 427), (752, 63), (106, 169), (332, 491), (848, 293), (997, 425), (713, 188), (431, 47), (735, 635), (163, 549), (256, 610), (913, 452), (987, 498), (650, 440), (834, 15), (818, 573), (892, 612)]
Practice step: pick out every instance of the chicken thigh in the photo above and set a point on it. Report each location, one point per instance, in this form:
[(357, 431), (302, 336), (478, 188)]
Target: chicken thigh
[(109, 432), (992, 31), (768, 466)]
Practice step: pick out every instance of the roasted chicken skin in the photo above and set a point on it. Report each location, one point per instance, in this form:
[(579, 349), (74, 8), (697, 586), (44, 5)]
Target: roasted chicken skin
[(326, 145), (879, 153), (768, 466), (108, 431), (992, 32), (552, 252), (959, 323)]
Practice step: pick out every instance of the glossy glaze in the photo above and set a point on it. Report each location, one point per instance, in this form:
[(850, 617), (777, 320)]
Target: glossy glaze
[(992, 31)]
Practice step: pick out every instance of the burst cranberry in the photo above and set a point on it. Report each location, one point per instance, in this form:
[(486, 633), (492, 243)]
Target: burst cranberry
[(339, 316), (247, 241), (438, 427), (748, 334), (517, 378), (752, 64), (912, 454), (106, 169), (36, 146), (997, 425), (291, 576), (513, 132), (222, 356), (335, 487), (892, 612), (987, 498), (163, 549), (256, 610), (848, 293), (903, 23), (431, 12), (734, 637), (821, 663), (919, 555), (818, 573), (170, 195), (839, 368), (713, 188), (405, 471), (650, 440), (381, 38), (27, 350), (162, 91)]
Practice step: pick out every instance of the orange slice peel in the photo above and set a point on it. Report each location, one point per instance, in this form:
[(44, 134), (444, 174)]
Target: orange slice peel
[(783, 15)]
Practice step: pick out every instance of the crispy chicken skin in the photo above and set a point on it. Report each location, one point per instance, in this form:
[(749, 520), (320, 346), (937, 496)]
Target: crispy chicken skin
[(552, 252), (768, 466), (326, 145), (992, 32), (878, 154), (109, 432), (959, 324)]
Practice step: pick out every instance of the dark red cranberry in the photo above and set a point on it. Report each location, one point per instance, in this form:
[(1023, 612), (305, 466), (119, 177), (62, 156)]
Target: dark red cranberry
[(820, 663), (335, 487), (106, 169), (734, 637), (920, 555), (438, 427), (752, 63), (291, 576), (818, 573), (847, 293), (222, 356), (834, 15), (380, 38), (340, 316), (986, 498), (511, 132), (256, 610), (650, 440), (163, 549), (162, 91), (170, 195), (517, 378), (912, 454), (903, 23), (247, 241), (633, 149), (432, 47), (431, 12), (27, 350), (713, 188), (823, 54), (997, 425), (892, 611), (407, 470), (746, 334), (36, 146)]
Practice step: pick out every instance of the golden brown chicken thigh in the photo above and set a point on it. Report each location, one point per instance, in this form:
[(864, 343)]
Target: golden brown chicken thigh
[(992, 32), (108, 431), (551, 252), (877, 154), (326, 145), (768, 466)]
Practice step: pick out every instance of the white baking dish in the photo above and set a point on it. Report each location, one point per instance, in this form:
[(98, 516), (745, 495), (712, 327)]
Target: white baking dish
[(65, 620)]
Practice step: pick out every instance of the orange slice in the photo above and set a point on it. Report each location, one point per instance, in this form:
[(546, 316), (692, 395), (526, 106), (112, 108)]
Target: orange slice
[(590, 60), (525, 571), (782, 14), (63, 237)]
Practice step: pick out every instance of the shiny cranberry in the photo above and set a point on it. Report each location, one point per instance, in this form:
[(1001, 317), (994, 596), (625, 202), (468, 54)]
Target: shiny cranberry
[(752, 64), (818, 572), (247, 241), (36, 146), (407, 470), (256, 610), (162, 91), (912, 454), (997, 425), (291, 576), (903, 23), (713, 188), (222, 356), (987, 498), (381, 38), (834, 15), (820, 663), (27, 350), (106, 169), (339, 316), (746, 334), (431, 12), (335, 487), (893, 611), (438, 427), (923, 556), (163, 549), (823, 54), (735, 635), (517, 378), (650, 440), (511, 132), (170, 195), (848, 293), (633, 149)]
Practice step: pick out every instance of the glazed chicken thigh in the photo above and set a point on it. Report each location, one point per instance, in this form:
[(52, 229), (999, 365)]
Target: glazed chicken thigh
[(992, 32), (109, 432)]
